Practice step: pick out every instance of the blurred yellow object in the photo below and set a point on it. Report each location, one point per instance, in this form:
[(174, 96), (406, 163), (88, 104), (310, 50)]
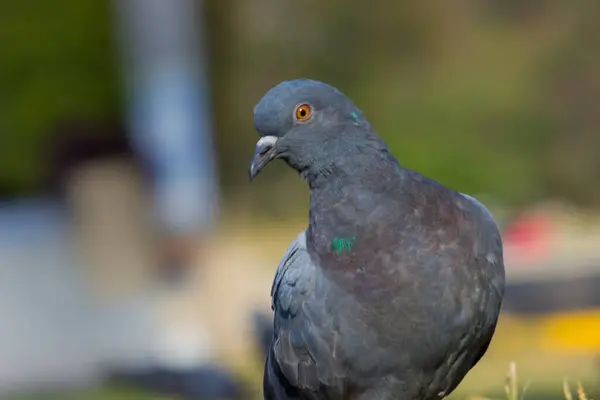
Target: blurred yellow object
[(575, 330)]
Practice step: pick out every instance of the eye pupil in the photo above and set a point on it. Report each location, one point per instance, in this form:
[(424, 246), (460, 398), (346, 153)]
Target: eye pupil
[(303, 112)]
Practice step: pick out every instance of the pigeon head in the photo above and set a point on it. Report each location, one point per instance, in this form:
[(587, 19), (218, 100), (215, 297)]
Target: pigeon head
[(308, 124)]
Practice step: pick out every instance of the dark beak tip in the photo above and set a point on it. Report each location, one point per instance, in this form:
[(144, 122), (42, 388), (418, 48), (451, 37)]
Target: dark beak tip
[(254, 168), (251, 172)]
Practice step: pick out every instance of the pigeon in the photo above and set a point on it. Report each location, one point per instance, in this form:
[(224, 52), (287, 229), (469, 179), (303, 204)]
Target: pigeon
[(394, 289)]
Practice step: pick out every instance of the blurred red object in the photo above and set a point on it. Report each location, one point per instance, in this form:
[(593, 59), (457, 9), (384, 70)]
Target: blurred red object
[(529, 237)]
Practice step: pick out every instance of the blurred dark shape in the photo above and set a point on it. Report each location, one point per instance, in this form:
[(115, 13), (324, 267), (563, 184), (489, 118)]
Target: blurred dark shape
[(547, 295), (77, 141), (202, 383), (263, 329), (174, 264)]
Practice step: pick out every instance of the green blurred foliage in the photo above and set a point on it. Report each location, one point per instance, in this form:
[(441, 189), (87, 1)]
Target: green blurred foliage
[(56, 61), (491, 96)]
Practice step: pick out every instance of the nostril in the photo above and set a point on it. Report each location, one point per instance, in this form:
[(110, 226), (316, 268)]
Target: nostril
[(264, 145)]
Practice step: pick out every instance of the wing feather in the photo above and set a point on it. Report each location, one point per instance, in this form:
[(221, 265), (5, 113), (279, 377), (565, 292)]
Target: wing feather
[(301, 347)]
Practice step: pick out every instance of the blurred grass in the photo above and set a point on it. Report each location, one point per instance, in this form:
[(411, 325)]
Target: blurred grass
[(513, 390), (519, 340)]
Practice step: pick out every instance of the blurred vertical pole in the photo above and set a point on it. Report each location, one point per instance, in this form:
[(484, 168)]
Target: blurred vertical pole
[(168, 110), (170, 125)]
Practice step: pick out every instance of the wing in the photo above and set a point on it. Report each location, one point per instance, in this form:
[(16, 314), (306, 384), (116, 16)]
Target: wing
[(301, 351), (486, 340)]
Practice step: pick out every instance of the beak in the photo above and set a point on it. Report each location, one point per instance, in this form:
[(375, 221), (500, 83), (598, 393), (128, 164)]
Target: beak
[(263, 155)]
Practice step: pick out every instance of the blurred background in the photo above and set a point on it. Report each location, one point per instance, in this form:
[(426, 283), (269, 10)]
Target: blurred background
[(136, 259)]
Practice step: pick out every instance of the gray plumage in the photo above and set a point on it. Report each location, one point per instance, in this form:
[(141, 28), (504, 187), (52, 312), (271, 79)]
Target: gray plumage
[(394, 289)]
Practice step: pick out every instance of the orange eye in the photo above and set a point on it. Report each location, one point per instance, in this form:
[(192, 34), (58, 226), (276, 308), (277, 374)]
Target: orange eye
[(303, 111)]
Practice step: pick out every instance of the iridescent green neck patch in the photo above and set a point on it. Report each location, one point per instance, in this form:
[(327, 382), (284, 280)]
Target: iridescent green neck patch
[(342, 245)]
